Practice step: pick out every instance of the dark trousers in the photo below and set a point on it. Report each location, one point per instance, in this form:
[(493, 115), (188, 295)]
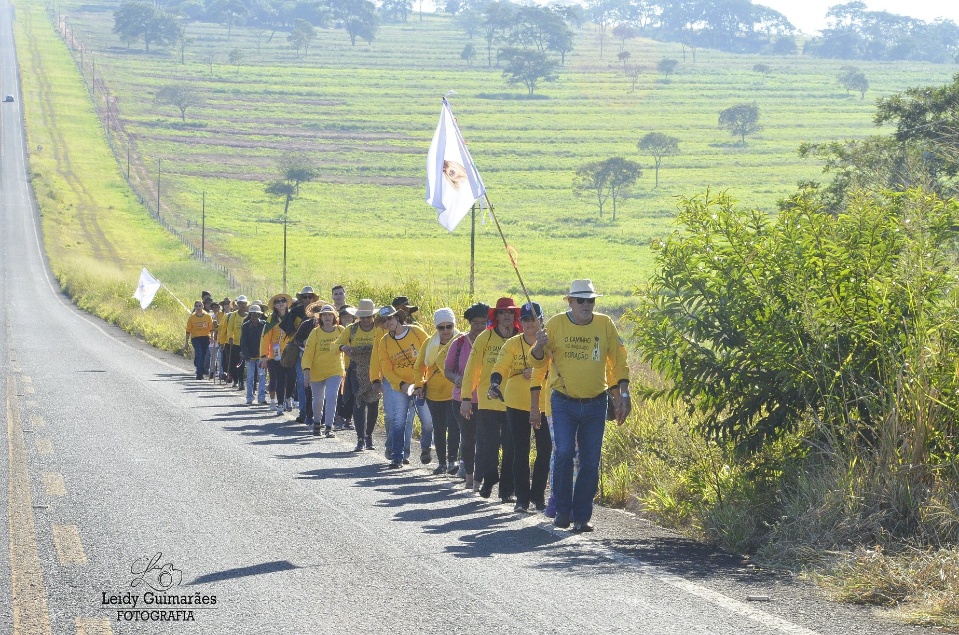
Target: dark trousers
[(233, 362), (364, 418), (281, 379), (520, 424), (467, 437), (446, 432), (344, 402), (492, 428), (201, 350)]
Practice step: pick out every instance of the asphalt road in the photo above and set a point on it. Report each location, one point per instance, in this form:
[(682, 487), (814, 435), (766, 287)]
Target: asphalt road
[(127, 478)]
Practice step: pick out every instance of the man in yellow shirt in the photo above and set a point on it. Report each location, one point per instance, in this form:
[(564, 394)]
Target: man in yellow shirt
[(583, 349)]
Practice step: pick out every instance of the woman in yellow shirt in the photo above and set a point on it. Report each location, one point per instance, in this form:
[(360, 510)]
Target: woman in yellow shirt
[(199, 326), (510, 381), (492, 427), (271, 348), (323, 367), (431, 384)]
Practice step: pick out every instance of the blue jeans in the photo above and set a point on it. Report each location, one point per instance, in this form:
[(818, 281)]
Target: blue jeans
[(201, 348), (399, 409), (324, 398), (577, 427), (254, 372)]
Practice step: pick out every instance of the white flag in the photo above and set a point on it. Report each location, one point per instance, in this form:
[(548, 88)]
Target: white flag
[(452, 182), (146, 289)]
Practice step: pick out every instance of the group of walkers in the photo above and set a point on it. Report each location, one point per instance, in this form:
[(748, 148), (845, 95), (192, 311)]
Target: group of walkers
[(509, 378)]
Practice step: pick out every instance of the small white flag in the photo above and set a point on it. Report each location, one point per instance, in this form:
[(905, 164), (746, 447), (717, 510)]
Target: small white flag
[(146, 289), (452, 181)]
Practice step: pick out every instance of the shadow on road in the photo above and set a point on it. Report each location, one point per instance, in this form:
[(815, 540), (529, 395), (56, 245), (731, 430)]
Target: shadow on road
[(242, 572)]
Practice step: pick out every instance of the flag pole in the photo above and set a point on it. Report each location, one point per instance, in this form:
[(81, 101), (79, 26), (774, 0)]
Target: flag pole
[(175, 298)]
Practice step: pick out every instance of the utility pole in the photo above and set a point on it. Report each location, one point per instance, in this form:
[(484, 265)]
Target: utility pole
[(472, 249), (203, 230), (158, 189)]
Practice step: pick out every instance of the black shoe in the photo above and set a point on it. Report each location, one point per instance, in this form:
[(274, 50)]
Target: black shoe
[(521, 508), (539, 505), (426, 456), (561, 521), (330, 434), (199, 376), (406, 461), (454, 468), (395, 465), (508, 499), (317, 431), (581, 528), (300, 419), (369, 443), (486, 490), (359, 446), (440, 469)]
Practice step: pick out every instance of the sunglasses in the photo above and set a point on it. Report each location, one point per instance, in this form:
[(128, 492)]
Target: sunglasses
[(444, 327), (527, 318), (505, 312), (280, 301), (586, 300)]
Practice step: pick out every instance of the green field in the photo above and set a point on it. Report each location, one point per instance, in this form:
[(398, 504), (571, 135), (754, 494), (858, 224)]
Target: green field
[(366, 114)]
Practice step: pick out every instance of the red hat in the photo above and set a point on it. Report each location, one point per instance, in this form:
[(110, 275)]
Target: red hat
[(501, 304)]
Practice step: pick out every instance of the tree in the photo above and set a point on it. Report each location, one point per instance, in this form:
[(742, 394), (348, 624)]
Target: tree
[(623, 57), (236, 58), (633, 73), (358, 18), (666, 66), (468, 53), (183, 96), (785, 45), (295, 169), (764, 323), (659, 146), (742, 119), (623, 32), (396, 10), (497, 20), (135, 20), (528, 68), (301, 36), (184, 42), (607, 180), (230, 13), (851, 78), (763, 69)]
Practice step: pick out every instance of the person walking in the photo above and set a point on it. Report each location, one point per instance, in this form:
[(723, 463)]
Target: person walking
[(251, 332), (295, 316), (431, 384), (456, 358), (492, 426), (234, 325), (339, 296), (323, 368), (510, 382), (272, 343), (356, 342), (398, 349), (584, 352), (199, 327), (222, 335), (345, 400)]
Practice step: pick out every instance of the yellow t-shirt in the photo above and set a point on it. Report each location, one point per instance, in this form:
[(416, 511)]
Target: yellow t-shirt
[(234, 327), (480, 364), (584, 358), (321, 356), (514, 357), (398, 356), (199, 326), (541, 379), (438, 387)]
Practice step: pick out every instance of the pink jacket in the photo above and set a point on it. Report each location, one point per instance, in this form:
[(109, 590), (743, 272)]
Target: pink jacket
[(456, 362)]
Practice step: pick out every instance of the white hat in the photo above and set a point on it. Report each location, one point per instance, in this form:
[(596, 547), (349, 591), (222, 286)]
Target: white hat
[(441, 316), (582, 289), (242, 298), (306, 291), (366, 308), (256, 309)]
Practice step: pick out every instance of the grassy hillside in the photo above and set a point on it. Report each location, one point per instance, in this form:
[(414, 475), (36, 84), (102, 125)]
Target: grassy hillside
[(96, 233), (366, 113)]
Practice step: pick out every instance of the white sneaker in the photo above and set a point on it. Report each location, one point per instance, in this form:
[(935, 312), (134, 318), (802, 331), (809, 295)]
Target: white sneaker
[(279, 410), (272, 402), (289, 405)]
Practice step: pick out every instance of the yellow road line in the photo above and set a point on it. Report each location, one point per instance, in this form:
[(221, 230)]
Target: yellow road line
[(66, 538), (31, 405), (29, 390), (30, 614), (93, 626), (26, 379), (36, 421), (54, 485), (44, 446)]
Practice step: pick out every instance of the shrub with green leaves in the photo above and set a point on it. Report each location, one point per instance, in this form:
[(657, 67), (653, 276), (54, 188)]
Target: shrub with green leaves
[(763, 324)]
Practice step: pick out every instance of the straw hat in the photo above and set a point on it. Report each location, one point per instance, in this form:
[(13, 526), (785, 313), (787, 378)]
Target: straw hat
[(285, 296), (366, 308)]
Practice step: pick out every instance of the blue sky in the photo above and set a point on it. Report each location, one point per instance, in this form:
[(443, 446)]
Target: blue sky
[(810, 15)]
